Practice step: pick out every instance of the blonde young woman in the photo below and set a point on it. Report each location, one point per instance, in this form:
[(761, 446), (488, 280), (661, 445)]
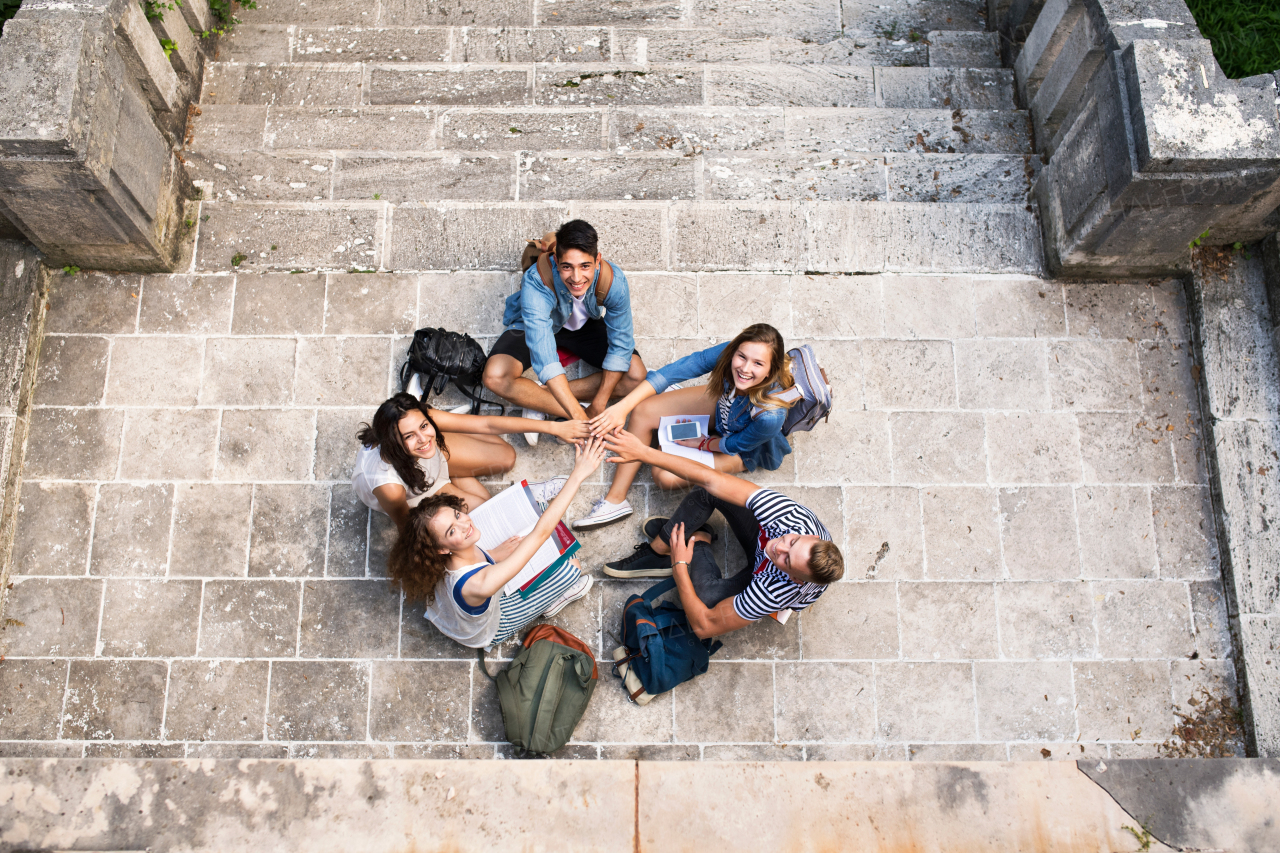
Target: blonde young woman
[(746, 398)]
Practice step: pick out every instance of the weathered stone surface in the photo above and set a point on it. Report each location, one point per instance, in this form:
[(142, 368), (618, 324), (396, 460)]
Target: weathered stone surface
[(363, 128), (555, 86), (210, 530), (138, 618), (927, 131), (790, 86), (521, 130), (437, 178), (39, 608), (249, 619), (114, 700), (73, 371), (455, 86), (313, 236), (131, 530)]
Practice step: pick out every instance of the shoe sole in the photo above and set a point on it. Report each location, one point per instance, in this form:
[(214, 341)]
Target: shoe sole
[(584, 524), (565, 602), (638, 573)]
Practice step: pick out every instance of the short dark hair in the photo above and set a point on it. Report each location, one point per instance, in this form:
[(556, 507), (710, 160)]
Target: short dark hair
[(577, 234)]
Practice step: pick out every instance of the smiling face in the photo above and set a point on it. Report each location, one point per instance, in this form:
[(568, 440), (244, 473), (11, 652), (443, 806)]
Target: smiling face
[(790, 553), (577, 270), (452, 530), (417, 436), (750, 365)]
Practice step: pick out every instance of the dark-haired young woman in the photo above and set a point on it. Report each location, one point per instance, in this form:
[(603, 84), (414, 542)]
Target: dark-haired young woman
[(746, 398), (411, 452), (438, 558)]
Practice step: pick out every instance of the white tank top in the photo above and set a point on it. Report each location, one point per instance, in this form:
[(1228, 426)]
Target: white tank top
[(456, 619)]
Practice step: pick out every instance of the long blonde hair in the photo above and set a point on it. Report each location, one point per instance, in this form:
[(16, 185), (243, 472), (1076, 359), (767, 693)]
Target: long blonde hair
[(779, 375)]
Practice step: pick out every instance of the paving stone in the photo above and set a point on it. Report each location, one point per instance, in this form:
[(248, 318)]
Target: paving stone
[(336, 441), (114, 700), (804, 178), (1190, 677), (348, 533), (1212, 625), (690, 128), (855, 752), (1070, 751), (348, 751), (36, 617), (754, 752), (262, 176), (640, 46), (790, 86), (210, 530), (938, 307), (884, 533), (964, 50), (847, 51), (613, 718), (434, 751), (72, 371), (341, 371), (186, 304), (1186, 541), (856, 621), (279, 305), (825, 702), (722, 314), (861, 15), (1116, 538), (1038, 533), (958, 178), (134, 750), (248, 371), (421, 701), (349, 618), (90, 303), (263, 444), (154, 371), (1033, 447), (652, 13), (315, 11), (320, 700), (1019, 309), (660, 303), (633, 235), (927, 131), (371, 305), (855, 448), (442, 177), (267, 752), (289, 527), (1046, 620), (453, 86), (1121, 700), (73, 444), (956, 752), (486, 238), (131, 530), (168, 444), (541, 44), (1024, 701), (59, 543), (145, 619), (961, 533), (249, 619), (1001, 375), (1119, 311), (253, 42), (306, 236), (935, 88), (283, 85), (521, 130), (947, 620), (1168, 387), (606, 177), (938, 447), (504, 13), (33, 692), (382, 535), (365, 44), (1095, 375), (838, 306), (1138, 619), (557, 86), (229, 127), (1124, 448), (42, 749), (908, 374), (924, 701), (731, 702), (419, 639), (361, 128)]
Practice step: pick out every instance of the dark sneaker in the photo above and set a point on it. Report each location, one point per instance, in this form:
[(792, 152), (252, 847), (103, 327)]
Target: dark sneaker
[(653, 526), (644, 562)]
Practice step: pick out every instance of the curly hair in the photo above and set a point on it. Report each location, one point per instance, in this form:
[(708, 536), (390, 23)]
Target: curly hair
[(779, 375), (384, 434), (415, 564)]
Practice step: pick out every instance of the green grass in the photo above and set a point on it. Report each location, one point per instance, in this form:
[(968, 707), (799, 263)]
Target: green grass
[(1245, 34), (8, 8)]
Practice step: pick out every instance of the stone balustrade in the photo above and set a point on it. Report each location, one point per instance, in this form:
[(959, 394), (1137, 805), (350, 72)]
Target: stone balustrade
[(1148, 144), (92, 112)]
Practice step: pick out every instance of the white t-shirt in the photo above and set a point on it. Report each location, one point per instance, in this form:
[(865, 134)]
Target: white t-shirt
[(371, 472), (578, 316)]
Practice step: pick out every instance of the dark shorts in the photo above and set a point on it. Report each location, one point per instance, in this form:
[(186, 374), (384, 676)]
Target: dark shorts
[(590, 343)]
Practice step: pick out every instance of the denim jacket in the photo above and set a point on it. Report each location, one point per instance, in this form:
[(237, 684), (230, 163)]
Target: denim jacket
[(756, 440), (539, 313)]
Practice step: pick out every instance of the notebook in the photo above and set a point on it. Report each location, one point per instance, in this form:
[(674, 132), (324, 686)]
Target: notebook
[(514, 512)]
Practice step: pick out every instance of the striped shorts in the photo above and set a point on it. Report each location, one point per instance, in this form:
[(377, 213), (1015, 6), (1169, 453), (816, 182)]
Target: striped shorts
[(517, 613)]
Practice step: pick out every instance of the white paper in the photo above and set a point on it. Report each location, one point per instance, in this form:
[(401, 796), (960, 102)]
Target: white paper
[(702, 457), (513, 513)]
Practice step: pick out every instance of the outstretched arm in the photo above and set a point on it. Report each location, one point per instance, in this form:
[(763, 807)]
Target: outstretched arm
[(494, 425), (615, 417), (724, 486)]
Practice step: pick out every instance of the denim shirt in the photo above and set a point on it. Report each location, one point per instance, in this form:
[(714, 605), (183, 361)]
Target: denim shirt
[(539, 313), (756, 440)]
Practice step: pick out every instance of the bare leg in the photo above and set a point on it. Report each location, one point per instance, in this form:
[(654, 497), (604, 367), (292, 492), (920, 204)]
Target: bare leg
[(471, 490), (725, 463), (478, 455), (644, 420), (502, 376)]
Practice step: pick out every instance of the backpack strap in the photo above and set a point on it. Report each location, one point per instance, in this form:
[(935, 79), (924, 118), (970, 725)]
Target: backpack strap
[(483, 668), (658, 589)]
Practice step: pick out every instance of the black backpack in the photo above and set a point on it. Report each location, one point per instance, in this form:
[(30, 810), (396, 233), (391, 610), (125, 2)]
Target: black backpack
[(441, 356)]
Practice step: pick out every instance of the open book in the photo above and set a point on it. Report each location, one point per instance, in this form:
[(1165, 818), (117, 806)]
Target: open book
[(514, 512)]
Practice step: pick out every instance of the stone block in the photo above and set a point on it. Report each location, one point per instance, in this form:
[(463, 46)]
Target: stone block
[(371, 304), (758, 129), (1150, 619), (252, 42), (926, 131), (556, 86), (958, 178), (937, 307), (924, 701), (661, 303), (825, 702), (1038, 533), (1186, 539), (809, 177), (1094, 375), (249, 619), (1246, 511), (599, 177), (852, 621), (154, 371), (229, 127), (52, 617), (33, 692), (210, 530), (444, 177), (216, 700), (1212, 625), (947, 620), (305, 236), (341, 371), (52, 529), (372, 44), (633, 235), (961, 533), (146, 59), (1260, 641), (131, 530), (251, 175), (349, 619), (1116, 536), (885, 539), (453, 86), (938, 447), (302, 85), (1033, 447), (248, 371), (265, 444), (419, 639), (115, 700), (483, 238), (837, 306), (748, 685), (186, 304), (613, 718), (1124, 448), (318, 701), (541, 44), (1168, 387), (1018, 309), (89, 303), (908, 374), (1001, 375), (279, 305), (420, 701), (855, 449), (334, 12), (521, 130), (348, 533), (144, 618), (1122, 700), (722, 313), (1024, 701), (939, 88), (289, 530), (1052, 621), (72, 371), (846, 237), (352, 128), (1117, 311), (94, 433), (964, 49), (169, 444), (455, 13), (790, 86)]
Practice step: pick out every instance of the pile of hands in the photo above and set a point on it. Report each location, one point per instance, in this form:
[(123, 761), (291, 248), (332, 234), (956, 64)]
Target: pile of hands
[(608, 427)]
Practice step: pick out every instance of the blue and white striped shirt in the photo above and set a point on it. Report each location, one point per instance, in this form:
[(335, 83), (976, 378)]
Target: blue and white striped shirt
[(771, 589)]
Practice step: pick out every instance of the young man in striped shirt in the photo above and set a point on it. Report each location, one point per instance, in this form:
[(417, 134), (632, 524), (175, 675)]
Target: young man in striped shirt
[(793, 558)]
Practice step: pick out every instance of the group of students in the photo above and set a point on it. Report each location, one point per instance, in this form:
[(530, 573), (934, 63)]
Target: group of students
[(421, 466)]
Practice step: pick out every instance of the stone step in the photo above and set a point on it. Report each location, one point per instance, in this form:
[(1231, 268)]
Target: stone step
[(677, 236), (773, 130), (604, 84), (595, 175)]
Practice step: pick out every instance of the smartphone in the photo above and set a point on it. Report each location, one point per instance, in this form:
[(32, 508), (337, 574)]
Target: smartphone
[(680, 432)]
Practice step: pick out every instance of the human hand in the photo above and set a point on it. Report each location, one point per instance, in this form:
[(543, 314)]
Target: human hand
[(574, 432), (681, 549), (595, 408), (627, 447), (609, 420), (505, 549), (587, 458)]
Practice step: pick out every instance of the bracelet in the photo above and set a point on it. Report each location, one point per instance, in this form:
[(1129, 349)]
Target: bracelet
[(685, 563)]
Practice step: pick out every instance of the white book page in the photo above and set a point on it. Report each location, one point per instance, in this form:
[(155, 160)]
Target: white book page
[(703, 457), (506, 514)]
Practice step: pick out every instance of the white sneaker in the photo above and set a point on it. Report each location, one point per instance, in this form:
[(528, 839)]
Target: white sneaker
[(546, 491), (602, 513), (533, 415), (573, 593), (415, 386), (674, 386), (464, 409)]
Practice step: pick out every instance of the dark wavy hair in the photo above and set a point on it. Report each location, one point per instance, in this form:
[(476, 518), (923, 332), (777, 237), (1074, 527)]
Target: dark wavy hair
[(779, 367), (577, 234), (415, 563), (384, 434)]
